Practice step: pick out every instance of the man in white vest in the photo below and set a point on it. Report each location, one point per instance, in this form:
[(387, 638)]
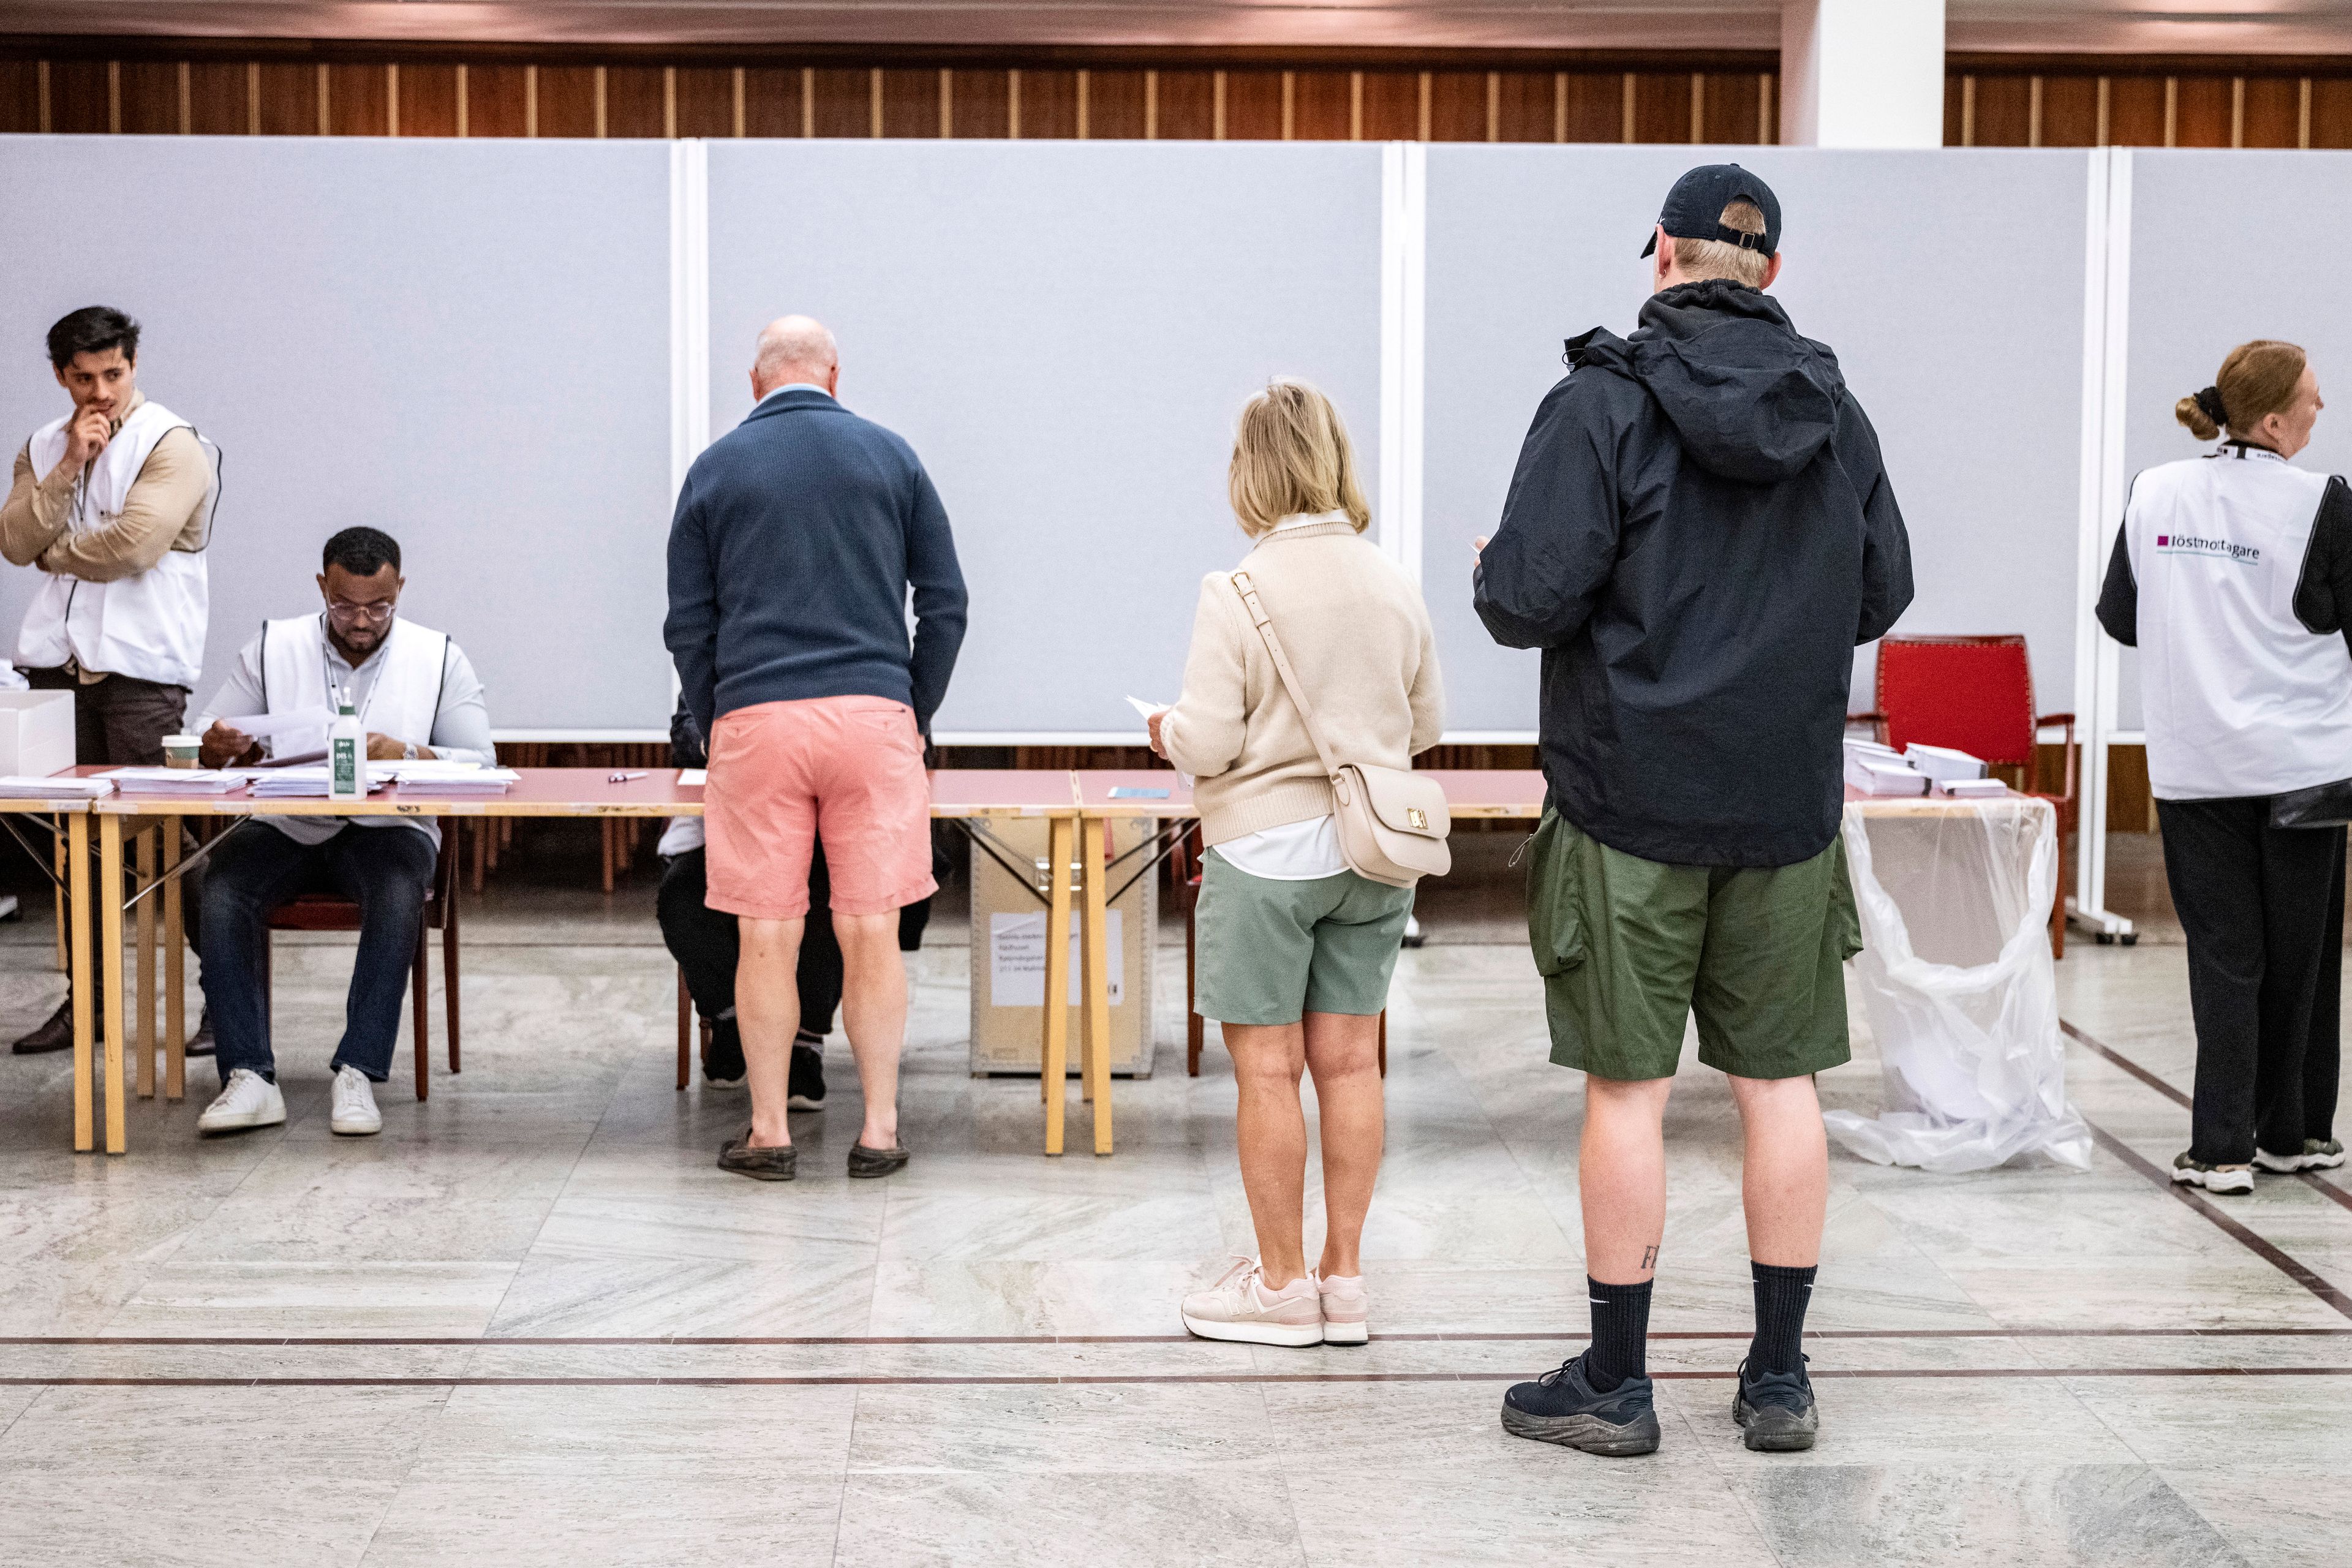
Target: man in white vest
[(417, 696), (112, 503)]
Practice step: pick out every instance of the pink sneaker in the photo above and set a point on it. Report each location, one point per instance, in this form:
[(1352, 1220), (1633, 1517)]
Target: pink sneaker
[(1239, 1307), (1346, 1308)]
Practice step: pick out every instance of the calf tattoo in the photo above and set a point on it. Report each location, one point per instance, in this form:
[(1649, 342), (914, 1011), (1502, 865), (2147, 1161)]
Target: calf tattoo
[(1649, 1257)]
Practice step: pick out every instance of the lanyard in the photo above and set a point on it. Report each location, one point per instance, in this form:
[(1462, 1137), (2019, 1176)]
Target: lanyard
[(327, 656)]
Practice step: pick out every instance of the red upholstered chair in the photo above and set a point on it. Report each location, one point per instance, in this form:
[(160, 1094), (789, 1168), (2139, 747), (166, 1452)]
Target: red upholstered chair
[(332, 912), (1974, 694)]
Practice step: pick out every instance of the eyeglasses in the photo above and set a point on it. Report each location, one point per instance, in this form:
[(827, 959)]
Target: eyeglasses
[(347, 615)]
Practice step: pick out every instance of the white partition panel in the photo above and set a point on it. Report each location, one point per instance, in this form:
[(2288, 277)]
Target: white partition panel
[(1949, 283), (464, 344), (2228, 247), (1064, 331)]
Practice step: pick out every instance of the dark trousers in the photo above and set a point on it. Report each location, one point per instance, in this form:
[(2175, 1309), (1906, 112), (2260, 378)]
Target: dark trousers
[(386, 870), (706, 944), (121, 722), (2263, 910)]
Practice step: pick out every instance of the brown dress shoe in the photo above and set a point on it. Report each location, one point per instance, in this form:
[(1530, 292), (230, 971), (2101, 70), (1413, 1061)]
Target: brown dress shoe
[(761, 1165), (866, 1162), (57, 1035)]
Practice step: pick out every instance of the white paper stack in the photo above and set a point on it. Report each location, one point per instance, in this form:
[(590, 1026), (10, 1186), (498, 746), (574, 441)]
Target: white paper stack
[(448, 778), (1974, 789), (1873, 770), (23, 787), (176, 781), (1942, 764), (307, 783)]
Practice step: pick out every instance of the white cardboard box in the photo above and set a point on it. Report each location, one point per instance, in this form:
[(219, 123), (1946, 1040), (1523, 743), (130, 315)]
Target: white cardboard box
[(36, 733), (1942, 764), (1874, 775)]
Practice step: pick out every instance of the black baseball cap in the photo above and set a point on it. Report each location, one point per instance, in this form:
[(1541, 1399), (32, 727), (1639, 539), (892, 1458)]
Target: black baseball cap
[(1694, 208)]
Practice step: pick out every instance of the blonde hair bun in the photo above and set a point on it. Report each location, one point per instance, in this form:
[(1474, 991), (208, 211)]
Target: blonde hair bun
[(2199, 425), (2258, 379)]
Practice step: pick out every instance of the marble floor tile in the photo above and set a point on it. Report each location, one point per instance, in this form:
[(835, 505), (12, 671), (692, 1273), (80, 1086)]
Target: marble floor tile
[(1155, 1520), (713, 1518), (301, 1296), (2277, 1515), (1202, 1429), (809, 1288)]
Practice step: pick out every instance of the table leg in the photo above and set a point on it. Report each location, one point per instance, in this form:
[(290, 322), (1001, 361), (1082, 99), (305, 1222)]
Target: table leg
[(1057, 979), (77, 917), (109, 916), (64, 959), (175, 970), (146, 965), (1094, 1063)]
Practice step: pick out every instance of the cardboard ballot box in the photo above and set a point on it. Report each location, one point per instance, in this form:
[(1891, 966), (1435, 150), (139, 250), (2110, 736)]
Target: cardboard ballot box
[(36, 733), (1008, 949)]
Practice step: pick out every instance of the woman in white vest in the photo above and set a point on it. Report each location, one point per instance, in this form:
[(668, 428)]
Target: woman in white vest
[(111, 503), (418, 697), (2233, 577)]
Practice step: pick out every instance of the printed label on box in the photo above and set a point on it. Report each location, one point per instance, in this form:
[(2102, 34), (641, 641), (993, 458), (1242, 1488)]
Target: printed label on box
[(1016, 958)]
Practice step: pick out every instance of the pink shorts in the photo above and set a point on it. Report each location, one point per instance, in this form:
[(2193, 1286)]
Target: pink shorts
[(783, 775)]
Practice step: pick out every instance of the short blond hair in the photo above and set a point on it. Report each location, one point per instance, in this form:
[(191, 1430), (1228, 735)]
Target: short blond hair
[(1698, 258), (1292, 456)]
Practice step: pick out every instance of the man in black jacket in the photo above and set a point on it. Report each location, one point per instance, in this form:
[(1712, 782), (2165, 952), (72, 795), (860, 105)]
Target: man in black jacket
[(1700, 532)]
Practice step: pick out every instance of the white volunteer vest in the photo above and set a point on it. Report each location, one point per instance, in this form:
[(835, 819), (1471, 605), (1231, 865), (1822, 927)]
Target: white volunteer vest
[(403, 703), (2238, 698), (150, 625)]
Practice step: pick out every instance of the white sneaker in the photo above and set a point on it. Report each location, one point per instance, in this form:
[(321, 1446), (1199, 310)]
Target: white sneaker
[(2213, 1178), (355, 1114), (247, 1100), (1347, 1310), (1239, 1307), (2314, 1155)]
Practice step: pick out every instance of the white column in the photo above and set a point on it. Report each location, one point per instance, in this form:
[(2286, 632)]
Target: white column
[(1861, 73)]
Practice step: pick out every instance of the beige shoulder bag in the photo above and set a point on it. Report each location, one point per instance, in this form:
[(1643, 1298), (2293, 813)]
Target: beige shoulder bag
[(1393, 822)]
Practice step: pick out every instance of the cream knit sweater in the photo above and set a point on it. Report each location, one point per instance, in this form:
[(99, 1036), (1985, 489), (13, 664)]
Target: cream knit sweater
[(1359, 639)]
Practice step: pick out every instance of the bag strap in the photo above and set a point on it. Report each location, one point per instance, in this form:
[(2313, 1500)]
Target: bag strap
[(1290, 682)]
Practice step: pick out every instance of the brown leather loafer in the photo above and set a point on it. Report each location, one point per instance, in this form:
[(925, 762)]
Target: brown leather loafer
[(866, 1162), (761, 1165)]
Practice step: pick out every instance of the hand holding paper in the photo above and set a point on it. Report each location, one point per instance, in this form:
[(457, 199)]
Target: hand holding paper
[(262, 726)]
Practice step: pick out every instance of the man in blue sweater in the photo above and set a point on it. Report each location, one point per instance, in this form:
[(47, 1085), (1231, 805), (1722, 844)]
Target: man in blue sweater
[(797, 538)]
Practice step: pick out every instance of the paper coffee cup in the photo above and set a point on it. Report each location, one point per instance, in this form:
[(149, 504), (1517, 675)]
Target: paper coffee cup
[(181, 750)]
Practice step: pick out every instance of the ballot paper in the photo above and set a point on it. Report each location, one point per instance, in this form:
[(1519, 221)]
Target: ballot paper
[(264, 726), (1974, 789), (176, 781), (53, 786), (1147, 709), (1943, 763), (692, 778), (1875, 776), (309, 783), (436, 777)]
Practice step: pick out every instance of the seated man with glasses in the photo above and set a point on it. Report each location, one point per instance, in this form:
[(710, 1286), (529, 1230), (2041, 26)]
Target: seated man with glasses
[(417, 696)]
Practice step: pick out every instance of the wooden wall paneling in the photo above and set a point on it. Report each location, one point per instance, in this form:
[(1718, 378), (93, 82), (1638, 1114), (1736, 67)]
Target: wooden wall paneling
[(356, 100), (428, 99), (1661, 106), (79, 97), (636, 102), (2203, 112), (1186, 105), (1115, 105), (1525, 105), (20, 97), (844, 101), (2135, 111), (981, 103), (1049, 105), (771, 100), (567, 100), (1596, 106), (2273, 112), (1322, 105), (148, 92), (498, 100), (2331, 111), (216, 97), (1734, 100), (1958, 88), (1458, 106), (2004, 110), (910, 102), (285, 98), (706, 100), (1253, 106), (1392, 106), (2070, 111)]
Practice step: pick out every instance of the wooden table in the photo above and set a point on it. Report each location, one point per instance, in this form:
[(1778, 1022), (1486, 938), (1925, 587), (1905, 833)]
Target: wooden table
[(73, 811)]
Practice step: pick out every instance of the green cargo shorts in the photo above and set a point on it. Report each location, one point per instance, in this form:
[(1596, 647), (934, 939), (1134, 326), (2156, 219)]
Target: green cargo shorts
[(1630, 948), (1269, 952)]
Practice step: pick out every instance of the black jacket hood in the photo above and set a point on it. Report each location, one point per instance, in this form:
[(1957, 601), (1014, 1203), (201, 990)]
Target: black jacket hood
[(1750, 399)]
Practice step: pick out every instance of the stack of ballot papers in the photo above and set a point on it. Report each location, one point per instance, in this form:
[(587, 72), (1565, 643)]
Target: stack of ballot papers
[(53, 786), (176, 781), (280, 783), (1942, 764), (447, 778), (1873, 769), (1974, 789)]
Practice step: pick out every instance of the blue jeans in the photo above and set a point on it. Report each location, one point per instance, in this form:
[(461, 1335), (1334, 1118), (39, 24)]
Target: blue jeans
[(386, 870)]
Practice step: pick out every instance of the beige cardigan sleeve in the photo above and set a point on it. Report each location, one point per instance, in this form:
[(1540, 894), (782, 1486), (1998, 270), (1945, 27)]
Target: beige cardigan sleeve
[(1428, 694), (1203, 733)]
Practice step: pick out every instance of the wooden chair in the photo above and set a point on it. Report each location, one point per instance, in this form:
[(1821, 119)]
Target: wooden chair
[(1974, 694), (1184, 865), (332, 912)]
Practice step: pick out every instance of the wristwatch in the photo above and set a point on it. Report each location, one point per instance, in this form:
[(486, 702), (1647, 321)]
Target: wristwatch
[(408, 751)]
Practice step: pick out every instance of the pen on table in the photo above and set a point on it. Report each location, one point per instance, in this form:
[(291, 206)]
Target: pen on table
[(621, 778)]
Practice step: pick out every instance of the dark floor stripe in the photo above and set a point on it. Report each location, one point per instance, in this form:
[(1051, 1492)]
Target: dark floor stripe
[(1480, 1375)]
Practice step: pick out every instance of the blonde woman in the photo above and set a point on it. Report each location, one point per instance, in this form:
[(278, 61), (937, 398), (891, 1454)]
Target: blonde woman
[(1296, 949)]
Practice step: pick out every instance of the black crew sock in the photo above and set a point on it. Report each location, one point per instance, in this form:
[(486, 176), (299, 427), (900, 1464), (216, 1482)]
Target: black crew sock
[(1781, 1297), (1621, 1328)]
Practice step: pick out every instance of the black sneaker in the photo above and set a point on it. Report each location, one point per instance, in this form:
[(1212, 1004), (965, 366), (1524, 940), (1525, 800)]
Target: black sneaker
[(805, 1088), (57, 1035), (1776, 1411), (200, 1044), (1561, 1407), (722, 1059)]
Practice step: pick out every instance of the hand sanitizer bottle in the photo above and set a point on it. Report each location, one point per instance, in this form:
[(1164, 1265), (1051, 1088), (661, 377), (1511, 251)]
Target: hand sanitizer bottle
[(346, 755)]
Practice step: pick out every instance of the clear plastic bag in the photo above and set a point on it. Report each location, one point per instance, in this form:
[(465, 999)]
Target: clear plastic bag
[(1958, 984)]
